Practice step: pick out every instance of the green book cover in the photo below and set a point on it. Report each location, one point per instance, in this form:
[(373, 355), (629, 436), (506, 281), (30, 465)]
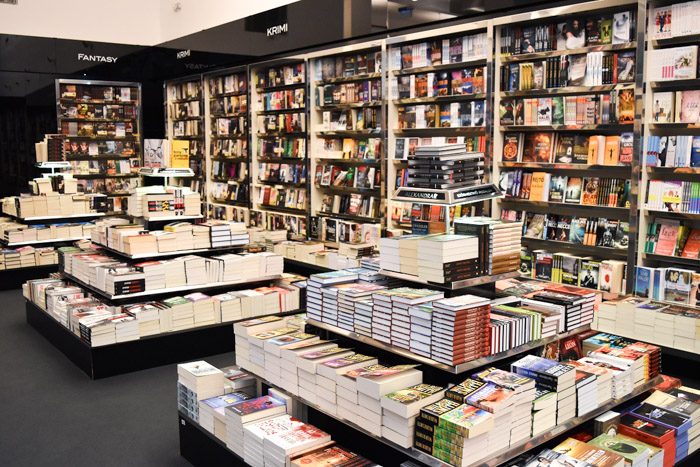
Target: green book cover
[(629, 448)]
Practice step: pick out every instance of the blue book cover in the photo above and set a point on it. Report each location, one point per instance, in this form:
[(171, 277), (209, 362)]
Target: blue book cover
[(652, 155), (643, 281), (695, 152)]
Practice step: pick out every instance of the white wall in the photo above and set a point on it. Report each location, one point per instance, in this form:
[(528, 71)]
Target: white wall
[(122, 21), (139, 22)]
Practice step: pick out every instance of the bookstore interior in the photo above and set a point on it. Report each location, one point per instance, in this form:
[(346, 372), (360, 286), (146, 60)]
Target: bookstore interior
[(469, 242)]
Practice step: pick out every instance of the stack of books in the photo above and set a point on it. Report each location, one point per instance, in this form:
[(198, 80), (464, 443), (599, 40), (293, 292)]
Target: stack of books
[(197, 381), (674, 326), (401, 408), (576, 305), (449, 258), (646, 357), (544, 411), (243, 330), (248, 411), (400, 254), (585, 452), (279, 447), (461, 434), (604, 380), (524, 393), (147, 316), (212, 414), (513, 326), (203, 309), (327, 376), (446, 166), (499, 242), (372, 385), (315, 284), (654, 434), (390, 315), (331, 455), (178, 314), (560, 378), (349, 295), (460, 329), (273, 352), (255, 433)]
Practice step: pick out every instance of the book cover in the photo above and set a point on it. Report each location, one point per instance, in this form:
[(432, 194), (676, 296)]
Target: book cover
[(512, 143), (632, 450), (573, 190), (586, 452), (414, 393), (538, 147), (589, 193), (687, 106), (557, 188), (564, 153), (258, 404)]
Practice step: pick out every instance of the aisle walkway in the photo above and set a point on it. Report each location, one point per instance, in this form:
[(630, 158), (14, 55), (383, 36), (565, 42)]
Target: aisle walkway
[(53, 414)]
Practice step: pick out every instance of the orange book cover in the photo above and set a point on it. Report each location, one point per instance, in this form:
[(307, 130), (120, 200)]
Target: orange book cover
[(612, 150)]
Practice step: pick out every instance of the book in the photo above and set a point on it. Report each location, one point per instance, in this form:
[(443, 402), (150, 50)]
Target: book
[(538, 147), (585, 452), (408, 402)]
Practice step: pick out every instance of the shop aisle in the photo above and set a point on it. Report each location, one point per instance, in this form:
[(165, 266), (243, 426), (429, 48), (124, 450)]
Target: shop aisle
[(53, 414)]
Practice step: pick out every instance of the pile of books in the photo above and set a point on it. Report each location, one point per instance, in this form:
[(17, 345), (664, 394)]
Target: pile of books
[(54, 204), (105, 273), (477, 417), (27, 257), (657, 432), (646, 356), (15, 232), (673, 285), (391, 321), (99, 324), (608, 275), (574, 304), (499, 242), (460, 329), (338, 380), (133, 239), (673, 326), (444, 167), (436, 258), (154, 202), (197, 381)]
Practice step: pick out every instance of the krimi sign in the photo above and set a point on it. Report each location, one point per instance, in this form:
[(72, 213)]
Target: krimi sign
[(277, 30)]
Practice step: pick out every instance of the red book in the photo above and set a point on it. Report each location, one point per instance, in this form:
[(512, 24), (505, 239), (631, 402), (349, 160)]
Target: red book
[(692, 245)]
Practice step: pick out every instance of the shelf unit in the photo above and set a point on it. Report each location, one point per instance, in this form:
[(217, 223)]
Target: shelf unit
[(169, 290), (226, 108), (169, 254), (279, 103), (185, 121), (660, 127), (347, 136), (453, 369), (101, 123), (512, 139), (500, 457), (452, 114)]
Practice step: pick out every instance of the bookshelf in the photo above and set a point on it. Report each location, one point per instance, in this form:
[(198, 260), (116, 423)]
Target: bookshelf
[(101, 125), (346, 143), (565, 136), (669, 175), (227, 156), (184, 123), (439, 84), (279, 181)]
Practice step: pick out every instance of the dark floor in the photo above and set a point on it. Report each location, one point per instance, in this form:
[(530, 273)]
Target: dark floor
[(53, 414)]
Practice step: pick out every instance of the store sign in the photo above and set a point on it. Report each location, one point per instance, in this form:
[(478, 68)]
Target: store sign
[(422, 194), (277, 30), (96, 58), (184, 53), (478, 192)]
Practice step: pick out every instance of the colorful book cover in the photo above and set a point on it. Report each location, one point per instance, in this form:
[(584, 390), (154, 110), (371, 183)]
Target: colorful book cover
[(256, 405), (414, 393)]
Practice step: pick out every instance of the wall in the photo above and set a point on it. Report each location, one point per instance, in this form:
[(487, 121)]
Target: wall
[(130, 21)]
